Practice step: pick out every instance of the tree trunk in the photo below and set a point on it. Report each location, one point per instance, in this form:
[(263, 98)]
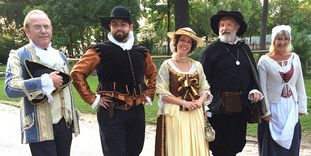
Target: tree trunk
[(264, 25), (181, 13), (168, 25)]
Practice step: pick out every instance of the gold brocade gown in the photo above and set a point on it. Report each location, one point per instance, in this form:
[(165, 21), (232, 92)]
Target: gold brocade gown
[(180, 132)]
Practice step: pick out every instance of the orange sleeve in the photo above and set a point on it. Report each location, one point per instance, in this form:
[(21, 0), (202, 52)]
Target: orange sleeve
[(150, 76), (81, 70)]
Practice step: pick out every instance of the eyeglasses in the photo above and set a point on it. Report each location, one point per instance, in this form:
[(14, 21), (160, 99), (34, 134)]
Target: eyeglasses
[(39, 27)]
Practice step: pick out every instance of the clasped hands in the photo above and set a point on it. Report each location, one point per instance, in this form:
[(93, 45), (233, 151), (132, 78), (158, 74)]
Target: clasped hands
[(192, 105)]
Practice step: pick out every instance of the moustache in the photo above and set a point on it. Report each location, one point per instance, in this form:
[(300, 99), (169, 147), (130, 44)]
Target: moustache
[(120, 31), (226, 32)]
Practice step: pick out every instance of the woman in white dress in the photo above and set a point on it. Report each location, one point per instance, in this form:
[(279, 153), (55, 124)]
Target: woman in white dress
[(182, 92), (284, 92)]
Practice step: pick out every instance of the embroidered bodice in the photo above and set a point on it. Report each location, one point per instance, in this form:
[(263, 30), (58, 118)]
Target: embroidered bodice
[(184, 86)]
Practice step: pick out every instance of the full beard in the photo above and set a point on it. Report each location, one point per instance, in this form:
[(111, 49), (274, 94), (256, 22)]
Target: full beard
[(227, 37), (120, 36)]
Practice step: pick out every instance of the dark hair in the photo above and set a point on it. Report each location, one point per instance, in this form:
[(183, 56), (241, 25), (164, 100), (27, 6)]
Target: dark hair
[(193, 46)]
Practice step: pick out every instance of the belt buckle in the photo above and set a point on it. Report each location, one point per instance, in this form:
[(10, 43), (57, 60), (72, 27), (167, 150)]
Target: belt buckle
[(126, 107)]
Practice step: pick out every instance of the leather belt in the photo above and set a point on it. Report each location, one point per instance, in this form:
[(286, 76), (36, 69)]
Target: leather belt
[(125, 107), (120, 106)]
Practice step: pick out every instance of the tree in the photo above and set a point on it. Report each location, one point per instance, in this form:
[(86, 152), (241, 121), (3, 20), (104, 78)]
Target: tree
[(282, 10), (253, 23), (200, 24), (156, 14), (12, 11), (264, 24), (301, 31), (76, 23), (181, 13)]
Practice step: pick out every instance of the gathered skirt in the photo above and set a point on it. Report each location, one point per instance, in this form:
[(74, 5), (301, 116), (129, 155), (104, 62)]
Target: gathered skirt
[(268, 147), (181, 134)]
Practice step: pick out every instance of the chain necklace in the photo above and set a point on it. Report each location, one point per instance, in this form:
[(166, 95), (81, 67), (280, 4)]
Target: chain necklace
[(179, 65), (237, 62)]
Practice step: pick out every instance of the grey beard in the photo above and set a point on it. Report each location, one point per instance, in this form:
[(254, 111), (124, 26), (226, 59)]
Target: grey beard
[(228, 38)]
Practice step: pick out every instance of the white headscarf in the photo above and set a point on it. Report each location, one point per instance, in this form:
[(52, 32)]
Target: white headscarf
[(280, 28), (276, 30)]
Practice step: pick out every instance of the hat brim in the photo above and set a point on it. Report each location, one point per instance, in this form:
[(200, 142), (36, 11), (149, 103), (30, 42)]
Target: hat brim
[(35, 69), (200, 41), (216, 19), (105, 21)]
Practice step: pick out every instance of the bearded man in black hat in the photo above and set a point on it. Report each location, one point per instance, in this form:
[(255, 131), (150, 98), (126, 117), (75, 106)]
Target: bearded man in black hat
[(122, 70), (231, 71)]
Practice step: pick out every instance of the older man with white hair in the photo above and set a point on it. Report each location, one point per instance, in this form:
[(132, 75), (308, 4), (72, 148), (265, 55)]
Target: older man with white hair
[(231, 71), (48, 114)]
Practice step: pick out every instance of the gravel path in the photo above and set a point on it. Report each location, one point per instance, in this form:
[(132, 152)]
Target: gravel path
[(88, 142)]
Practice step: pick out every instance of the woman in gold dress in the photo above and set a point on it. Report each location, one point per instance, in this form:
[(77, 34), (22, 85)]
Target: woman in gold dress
[(182, 93)]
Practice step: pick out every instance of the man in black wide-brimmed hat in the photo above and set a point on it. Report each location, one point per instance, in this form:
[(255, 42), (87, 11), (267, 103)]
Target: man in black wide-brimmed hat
[(122, 69), (231, 71)]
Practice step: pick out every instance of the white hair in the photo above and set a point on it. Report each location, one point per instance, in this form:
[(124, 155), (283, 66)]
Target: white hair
[(38, 12)]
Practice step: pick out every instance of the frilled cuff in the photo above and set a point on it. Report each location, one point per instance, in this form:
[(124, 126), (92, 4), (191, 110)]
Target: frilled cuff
[(209, 98), (166, 108), (47, 86), (160, 100)]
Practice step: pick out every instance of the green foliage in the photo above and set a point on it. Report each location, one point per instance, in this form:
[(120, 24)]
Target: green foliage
[(200, 24), (282, 10), (302, 46), (155, 13), (7, 43), (300, 29), (75, 23), (12, 10), (10, 39), (254, 18)]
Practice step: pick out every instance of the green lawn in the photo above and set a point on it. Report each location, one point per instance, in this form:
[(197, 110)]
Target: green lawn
[(151, 111)]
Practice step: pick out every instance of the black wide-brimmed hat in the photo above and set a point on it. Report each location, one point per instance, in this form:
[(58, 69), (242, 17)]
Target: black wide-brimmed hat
[(35, 69), (234, 14), (119, 12)]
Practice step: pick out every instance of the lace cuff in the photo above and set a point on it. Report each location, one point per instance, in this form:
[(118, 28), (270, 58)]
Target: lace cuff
[(47, 86)]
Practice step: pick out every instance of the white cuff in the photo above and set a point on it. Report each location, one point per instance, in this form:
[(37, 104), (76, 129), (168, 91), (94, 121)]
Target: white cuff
[(47, 86), (95, 103), (267, 114), (255, 91), (148, 101)]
